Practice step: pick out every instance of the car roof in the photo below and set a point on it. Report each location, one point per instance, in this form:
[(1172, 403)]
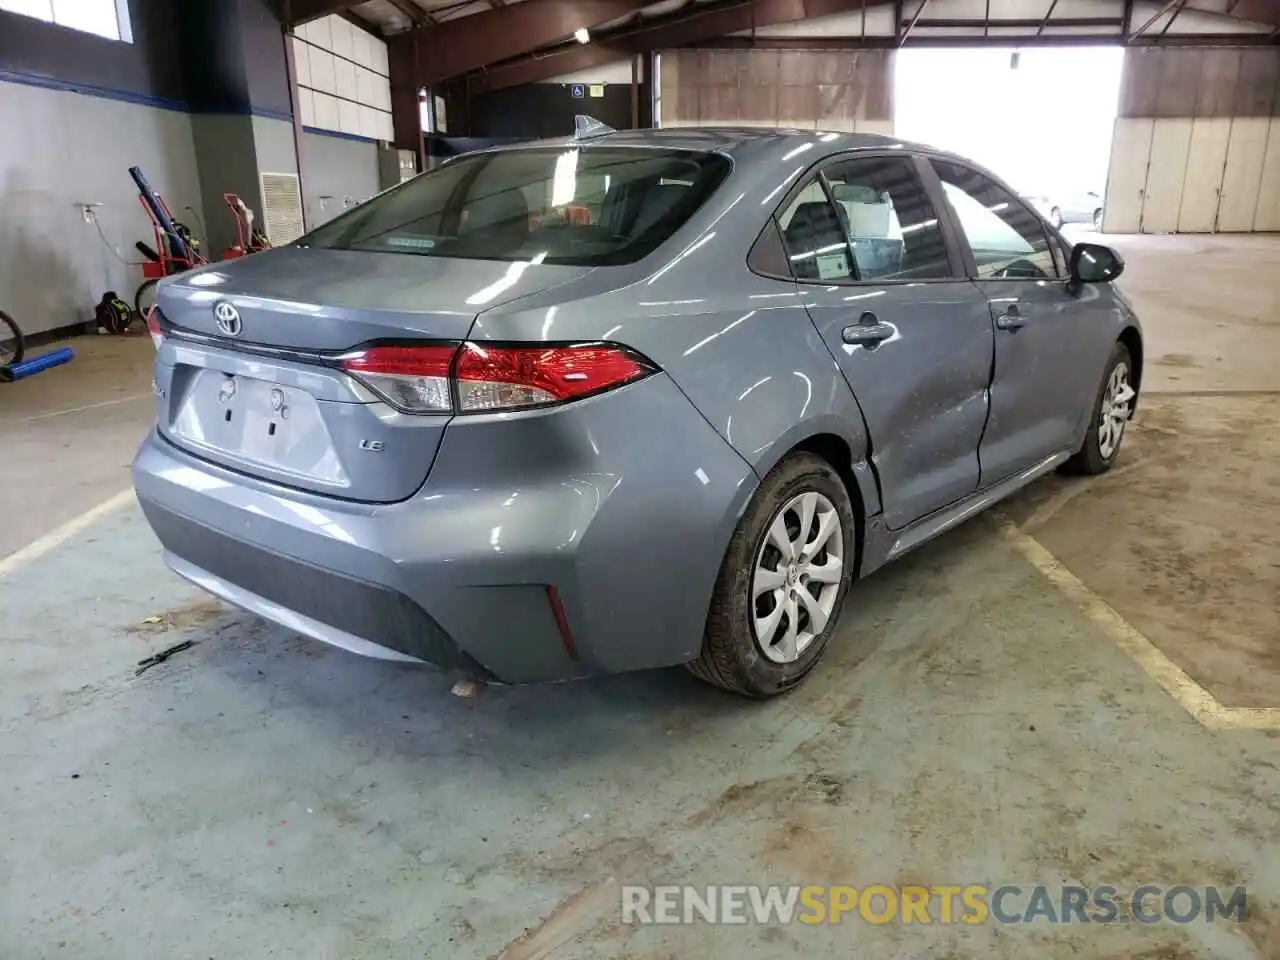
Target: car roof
[(738, 142)]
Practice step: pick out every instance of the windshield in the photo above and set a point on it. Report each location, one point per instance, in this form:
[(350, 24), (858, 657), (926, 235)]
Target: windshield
[(588, 206)]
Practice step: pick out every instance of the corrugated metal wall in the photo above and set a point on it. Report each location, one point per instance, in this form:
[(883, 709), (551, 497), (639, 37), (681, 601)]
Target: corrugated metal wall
[(811, 89), (1197, 142)]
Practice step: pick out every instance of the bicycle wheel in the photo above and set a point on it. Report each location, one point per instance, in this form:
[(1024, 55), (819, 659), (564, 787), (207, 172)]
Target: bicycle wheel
[(12, 344), (145, 298)]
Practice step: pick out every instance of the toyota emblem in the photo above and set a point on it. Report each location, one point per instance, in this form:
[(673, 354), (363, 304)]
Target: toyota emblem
[(228, 319)]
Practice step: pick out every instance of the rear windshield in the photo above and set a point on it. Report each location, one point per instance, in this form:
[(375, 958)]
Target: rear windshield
[(586, 206)]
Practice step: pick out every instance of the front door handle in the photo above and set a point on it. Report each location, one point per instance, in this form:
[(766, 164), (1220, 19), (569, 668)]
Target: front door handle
[(1011, 320), (868, 332)]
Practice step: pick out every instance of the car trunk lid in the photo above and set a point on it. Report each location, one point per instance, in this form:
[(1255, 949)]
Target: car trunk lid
[(248, 376)]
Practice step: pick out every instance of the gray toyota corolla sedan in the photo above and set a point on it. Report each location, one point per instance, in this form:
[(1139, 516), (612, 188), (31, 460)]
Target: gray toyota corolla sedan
[(628, 401)]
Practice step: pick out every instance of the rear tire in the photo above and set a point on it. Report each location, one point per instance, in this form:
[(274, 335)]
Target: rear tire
[(1110, 417), (1097, 220), (1055, 216), (12, 344), (763, 635), (145, 298)]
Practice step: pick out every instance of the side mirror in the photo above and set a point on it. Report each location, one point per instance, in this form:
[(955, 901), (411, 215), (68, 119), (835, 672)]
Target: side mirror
[(1092, 263)]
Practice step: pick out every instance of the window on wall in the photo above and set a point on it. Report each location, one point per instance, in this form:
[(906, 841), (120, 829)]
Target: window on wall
[(342, 80), (105, 18)]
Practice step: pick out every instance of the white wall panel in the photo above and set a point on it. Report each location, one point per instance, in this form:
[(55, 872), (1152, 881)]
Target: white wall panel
[(1202, 183), (307, 106), (326, 111), (343, 45), (349, 117), (334, 58), (360, 44), (323, 77), (301, 61), (378, 58), (344, 72), (321, 32), (369, 87), (1268, 213), (1166, 173), (1242, 178), (1127, 175)]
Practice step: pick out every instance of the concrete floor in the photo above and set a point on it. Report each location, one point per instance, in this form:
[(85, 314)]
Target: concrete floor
[(987, 716)]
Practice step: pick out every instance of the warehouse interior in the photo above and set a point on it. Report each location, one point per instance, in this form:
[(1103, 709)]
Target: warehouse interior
[(1081, 686)]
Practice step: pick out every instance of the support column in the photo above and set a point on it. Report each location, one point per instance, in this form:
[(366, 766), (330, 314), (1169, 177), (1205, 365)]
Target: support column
[(242, 106)]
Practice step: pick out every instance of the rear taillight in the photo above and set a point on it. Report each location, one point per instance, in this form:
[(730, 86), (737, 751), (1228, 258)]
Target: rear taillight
[(479, 378), (412, 379), (154, 328), (508, 378)]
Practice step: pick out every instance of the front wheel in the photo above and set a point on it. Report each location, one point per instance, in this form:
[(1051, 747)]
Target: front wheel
[(1111, 412), (1055, 215), (12, 343), (781, 586)]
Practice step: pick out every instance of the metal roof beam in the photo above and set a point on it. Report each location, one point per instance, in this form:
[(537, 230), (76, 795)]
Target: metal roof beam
[(465, 44), (301, 11), (417, 16)]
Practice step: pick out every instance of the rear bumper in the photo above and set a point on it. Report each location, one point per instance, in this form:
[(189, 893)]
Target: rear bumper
[(458, 575)]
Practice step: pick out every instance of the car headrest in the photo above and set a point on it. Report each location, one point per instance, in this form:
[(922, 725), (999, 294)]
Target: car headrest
[(815, 218)]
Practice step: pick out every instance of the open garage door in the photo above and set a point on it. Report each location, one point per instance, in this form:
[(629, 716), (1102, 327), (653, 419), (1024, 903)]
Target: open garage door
[(1041, 118)]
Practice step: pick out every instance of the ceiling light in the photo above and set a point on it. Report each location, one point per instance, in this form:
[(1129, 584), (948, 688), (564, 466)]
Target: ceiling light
[(581, 35)]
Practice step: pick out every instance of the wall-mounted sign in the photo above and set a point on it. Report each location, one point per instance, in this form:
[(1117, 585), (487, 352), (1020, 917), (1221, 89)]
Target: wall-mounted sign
[(597, 90), (577, 91)]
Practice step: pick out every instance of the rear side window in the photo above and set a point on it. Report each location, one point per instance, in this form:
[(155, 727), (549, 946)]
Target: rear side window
[(817, 247), (589, 206), (892, 226), (878, 225)]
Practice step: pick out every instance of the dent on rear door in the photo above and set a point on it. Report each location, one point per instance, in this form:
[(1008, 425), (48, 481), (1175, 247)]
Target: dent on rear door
[(923, 392)]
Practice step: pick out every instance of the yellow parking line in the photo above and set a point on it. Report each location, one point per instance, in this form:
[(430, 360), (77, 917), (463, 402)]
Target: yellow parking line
[(40, 547), (1195, 699)]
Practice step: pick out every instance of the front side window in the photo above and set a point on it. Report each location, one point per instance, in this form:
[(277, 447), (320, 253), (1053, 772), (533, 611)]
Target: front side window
[(1007, 239), (590, 206)]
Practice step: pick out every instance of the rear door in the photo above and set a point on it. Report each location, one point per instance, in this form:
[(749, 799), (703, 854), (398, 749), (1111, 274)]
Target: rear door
[(1037, 388), (911, 335)]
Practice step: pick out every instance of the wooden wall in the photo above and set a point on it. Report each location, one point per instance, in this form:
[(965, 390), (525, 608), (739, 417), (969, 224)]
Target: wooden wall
[(836, 90), (1195, 82)]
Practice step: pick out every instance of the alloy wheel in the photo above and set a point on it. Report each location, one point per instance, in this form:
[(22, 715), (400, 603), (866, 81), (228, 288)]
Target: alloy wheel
[(798, 571), (1114, 410)]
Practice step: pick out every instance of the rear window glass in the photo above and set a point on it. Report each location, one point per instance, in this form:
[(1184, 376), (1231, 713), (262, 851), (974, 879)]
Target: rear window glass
[(586, 206)]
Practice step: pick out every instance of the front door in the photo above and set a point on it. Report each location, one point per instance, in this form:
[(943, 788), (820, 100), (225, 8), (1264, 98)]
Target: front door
[(1037, 392), (911, 335)]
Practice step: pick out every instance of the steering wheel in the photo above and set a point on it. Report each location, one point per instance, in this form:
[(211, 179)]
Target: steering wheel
[(1021, 269)]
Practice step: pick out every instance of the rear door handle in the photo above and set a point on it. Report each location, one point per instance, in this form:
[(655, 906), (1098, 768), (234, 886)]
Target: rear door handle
[(1011, 320), (868, 332)]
